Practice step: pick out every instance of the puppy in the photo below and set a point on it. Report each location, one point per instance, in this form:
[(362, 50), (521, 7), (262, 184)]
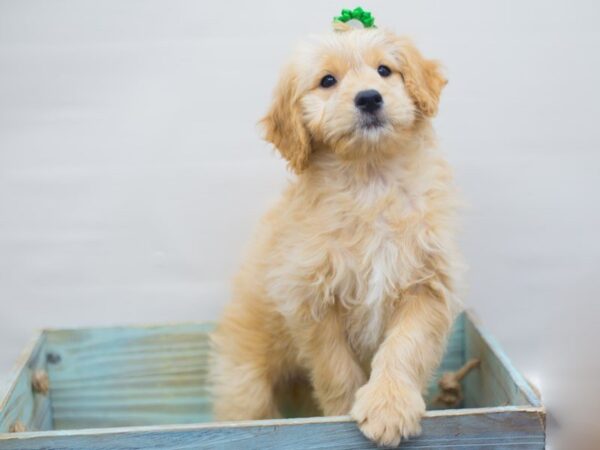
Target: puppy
[(350, 280)]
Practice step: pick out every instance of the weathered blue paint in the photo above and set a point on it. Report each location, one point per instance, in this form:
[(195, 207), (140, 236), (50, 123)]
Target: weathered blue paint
[(512, 428), (18, 402), (521, 389), (496, 382), (124, 387), (130, 376)]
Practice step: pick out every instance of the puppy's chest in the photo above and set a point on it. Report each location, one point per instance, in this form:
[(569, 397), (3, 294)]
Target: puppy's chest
[(378, 240), (359, 250), (377, 284), (380, 256)]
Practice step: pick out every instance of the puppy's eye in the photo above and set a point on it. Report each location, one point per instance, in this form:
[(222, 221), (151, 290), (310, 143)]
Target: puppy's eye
[(327, 81), (384, 71)]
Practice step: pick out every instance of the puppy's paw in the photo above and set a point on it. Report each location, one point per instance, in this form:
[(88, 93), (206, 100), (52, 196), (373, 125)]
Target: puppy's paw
[(386, 412)]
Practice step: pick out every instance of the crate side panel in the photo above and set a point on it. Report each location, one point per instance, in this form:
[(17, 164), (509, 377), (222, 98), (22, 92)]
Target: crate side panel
[(128, 376), (491, 384), (21, 403), (522, 430)]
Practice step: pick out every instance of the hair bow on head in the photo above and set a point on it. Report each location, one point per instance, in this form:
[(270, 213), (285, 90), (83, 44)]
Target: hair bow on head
[(356, 15)]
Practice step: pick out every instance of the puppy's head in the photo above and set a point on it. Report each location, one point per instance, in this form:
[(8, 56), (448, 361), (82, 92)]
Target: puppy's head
[(354, 93)]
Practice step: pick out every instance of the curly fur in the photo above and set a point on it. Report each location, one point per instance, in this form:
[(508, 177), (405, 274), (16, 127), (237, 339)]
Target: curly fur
[(349, 285)]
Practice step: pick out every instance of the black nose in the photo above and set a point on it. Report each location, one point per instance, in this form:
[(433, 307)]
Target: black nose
[(368, 101)]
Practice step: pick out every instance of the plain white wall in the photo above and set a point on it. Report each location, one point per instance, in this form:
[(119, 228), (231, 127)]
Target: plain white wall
[(132, 173)]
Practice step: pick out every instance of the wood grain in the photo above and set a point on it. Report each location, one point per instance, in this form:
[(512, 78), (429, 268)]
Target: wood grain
[(122, 387), (501, 429), (130, 376), (19, 402), (496, 382)]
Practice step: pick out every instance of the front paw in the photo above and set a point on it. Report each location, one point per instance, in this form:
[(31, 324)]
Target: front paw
[(386, 412)]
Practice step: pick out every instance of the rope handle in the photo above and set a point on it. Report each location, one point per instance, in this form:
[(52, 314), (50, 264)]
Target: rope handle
[(450, 389), (17, 427), (40, 383)]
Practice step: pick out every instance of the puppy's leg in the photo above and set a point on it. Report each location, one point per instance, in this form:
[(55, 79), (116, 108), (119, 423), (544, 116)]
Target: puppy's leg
[(242, 392), (325, 352), (250, 349), (389, 407)]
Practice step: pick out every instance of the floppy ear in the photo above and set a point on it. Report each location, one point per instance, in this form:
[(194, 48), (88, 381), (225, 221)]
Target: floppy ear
[(422, 77), (284, 126)]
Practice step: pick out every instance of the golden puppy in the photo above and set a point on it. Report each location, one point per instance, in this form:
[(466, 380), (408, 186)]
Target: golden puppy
[(349, 282)]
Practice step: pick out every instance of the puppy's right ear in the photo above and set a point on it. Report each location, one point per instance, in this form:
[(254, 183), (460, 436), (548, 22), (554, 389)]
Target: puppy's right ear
[(423, 77), (284, 125)]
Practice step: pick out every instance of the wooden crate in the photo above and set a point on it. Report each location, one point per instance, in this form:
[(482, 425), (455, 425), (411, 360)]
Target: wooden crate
[(145, 388)]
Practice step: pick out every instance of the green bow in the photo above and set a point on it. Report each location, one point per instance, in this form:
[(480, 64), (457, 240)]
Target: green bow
[(359, 14)]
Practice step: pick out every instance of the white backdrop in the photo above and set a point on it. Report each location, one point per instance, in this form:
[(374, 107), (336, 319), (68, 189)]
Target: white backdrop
[(132, 173)]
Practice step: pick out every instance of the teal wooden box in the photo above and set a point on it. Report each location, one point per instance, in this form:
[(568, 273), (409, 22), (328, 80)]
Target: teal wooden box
[(145, 388)]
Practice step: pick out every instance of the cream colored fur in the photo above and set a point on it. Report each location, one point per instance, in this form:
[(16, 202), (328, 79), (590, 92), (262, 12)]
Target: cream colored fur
[(349, 285)]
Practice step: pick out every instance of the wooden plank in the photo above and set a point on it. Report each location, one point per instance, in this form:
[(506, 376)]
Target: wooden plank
[(128, 376), (468, 429), (18, 402), (496, 382)]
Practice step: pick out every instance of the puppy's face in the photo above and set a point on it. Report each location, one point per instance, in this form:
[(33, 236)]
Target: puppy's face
[(355, 93)]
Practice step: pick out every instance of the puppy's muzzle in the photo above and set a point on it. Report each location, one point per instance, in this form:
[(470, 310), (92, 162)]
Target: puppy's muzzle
[(368, 101)]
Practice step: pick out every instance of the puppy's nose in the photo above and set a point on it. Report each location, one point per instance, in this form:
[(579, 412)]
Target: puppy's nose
[(368, 101)]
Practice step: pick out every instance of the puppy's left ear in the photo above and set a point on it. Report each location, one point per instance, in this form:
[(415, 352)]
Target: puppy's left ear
[(284, 125), (423, 78)]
